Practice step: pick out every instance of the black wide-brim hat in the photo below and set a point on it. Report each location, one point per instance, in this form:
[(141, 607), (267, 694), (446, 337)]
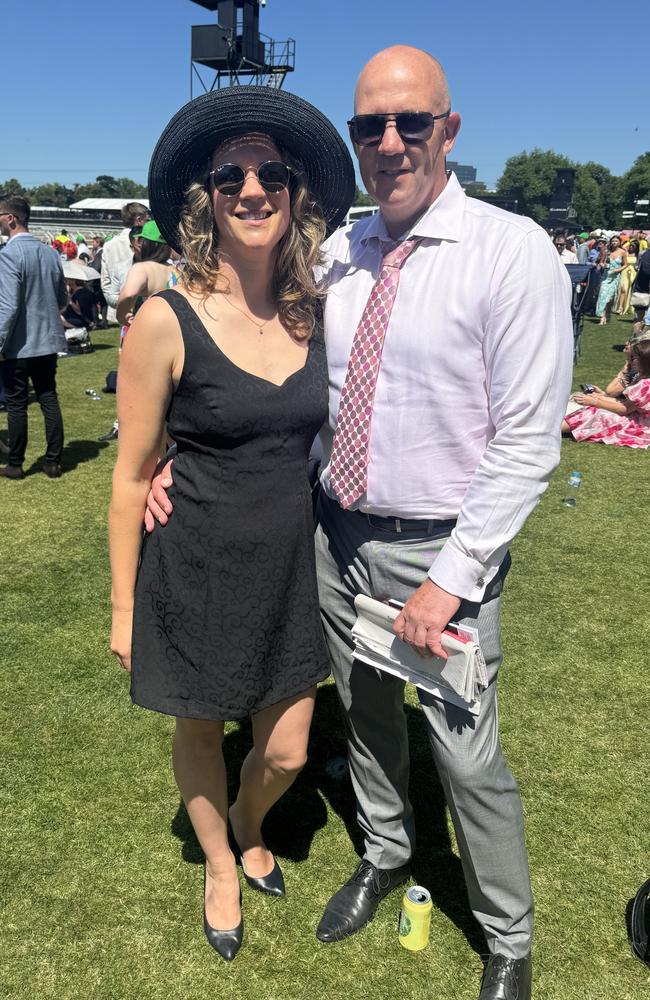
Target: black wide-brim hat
[(182, 152)]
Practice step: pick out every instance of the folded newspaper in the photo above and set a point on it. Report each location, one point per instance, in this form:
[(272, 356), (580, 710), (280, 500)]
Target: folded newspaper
[(459, 679)]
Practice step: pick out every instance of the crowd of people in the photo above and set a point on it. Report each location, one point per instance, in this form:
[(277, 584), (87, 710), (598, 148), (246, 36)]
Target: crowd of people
[(228, 301), (620, 271)]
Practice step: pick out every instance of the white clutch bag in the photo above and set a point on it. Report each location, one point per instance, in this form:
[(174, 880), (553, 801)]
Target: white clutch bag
[(458, 679)]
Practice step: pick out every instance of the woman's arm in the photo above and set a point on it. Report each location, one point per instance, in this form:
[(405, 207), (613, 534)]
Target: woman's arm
[(621, 406), (150, 362), (136, 284), (618, 383)]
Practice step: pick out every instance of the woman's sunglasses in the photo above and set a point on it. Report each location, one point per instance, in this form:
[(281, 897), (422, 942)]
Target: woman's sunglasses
[(229, 178), (412, 126)]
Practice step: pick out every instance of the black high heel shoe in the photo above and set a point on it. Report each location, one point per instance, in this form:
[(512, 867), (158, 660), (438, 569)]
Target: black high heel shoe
[(226, 943), (271, 884)]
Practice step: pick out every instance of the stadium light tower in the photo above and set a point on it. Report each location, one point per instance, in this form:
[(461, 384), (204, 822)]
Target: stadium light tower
[(235, 51)]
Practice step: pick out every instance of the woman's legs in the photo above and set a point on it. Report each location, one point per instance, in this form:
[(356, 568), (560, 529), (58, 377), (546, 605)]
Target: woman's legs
[(279, 753), (201, 778)]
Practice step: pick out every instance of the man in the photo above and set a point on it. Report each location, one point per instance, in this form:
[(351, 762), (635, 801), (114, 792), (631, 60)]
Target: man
[(118, 254), (566, 256), (32, 294), (582, 249), (422, 505), (117, 258), (421, 502), (82, 246)]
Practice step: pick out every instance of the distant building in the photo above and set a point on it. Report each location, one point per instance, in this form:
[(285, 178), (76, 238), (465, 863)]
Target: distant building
[(465, 173)]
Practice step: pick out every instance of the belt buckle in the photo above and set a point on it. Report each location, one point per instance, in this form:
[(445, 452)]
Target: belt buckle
[(398, 525)]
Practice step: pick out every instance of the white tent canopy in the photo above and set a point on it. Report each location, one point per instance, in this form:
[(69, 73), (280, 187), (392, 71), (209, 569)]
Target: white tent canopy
[(106, 204)]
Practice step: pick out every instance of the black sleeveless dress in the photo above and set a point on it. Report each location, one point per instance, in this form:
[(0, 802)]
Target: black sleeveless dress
[(226, 618)]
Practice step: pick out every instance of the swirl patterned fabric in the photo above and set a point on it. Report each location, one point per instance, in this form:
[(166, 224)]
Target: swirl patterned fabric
[(226, 617)]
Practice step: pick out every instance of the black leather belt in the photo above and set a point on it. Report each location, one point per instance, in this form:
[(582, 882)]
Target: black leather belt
[(400, 524)]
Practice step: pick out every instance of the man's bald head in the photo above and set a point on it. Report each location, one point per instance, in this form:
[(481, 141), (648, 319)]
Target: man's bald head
[(404, 171), (397, 70)]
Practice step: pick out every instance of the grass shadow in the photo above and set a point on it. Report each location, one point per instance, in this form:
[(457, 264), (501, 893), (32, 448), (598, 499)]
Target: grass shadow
[(74, 453), (290, 826), (77, 452)]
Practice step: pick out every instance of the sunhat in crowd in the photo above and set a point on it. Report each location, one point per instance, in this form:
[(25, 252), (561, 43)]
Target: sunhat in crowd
[(187, 141), (150, 231)]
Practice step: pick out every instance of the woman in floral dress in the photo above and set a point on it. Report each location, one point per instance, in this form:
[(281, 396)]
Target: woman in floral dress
[(624, 421), (616, 262)]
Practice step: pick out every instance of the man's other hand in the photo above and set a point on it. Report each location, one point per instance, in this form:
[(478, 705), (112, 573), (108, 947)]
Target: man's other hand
[(424, 617), (159, 506)]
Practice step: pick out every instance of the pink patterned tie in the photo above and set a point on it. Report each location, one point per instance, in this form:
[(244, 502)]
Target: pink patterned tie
[(349, 461)]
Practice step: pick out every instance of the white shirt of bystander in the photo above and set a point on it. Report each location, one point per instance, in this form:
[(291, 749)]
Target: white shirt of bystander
[(117, 258)]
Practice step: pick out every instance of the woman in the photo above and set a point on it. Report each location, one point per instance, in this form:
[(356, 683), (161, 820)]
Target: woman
[(149, 275), (222, 622), (624, 421), (615, 263), (628, 374), (628, 277), (79, 313)]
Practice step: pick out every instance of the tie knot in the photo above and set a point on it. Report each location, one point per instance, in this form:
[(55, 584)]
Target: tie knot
[(396, 253)]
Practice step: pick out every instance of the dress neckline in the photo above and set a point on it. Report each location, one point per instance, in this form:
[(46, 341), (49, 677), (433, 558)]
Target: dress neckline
[(236, 367)]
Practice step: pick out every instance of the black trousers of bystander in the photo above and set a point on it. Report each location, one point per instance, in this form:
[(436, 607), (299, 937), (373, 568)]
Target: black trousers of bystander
[(16, 375)]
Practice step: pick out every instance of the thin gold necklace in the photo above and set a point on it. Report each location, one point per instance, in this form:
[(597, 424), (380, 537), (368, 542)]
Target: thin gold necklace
[(255, 322)]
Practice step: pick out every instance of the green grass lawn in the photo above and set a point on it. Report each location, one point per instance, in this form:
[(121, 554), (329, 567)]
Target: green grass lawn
[(101, 874)]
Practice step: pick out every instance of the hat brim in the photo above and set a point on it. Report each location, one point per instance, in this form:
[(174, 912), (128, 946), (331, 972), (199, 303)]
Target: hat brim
[(183, 149)]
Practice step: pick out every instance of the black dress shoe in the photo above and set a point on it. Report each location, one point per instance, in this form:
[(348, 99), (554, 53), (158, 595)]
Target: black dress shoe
[(53, 470), (506, 978), (226, 943), (12, 472), (271, 884), (354, 905)]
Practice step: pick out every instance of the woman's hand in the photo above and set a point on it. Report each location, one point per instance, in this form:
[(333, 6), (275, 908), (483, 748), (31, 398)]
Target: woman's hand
[(586, 398), (121, 637)]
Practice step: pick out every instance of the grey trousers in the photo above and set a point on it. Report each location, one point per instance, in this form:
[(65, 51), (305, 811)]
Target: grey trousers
[(481, 792)]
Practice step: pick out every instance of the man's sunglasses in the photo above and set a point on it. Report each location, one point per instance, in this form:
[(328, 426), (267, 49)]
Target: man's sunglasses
[(412, 126), (229, 178)]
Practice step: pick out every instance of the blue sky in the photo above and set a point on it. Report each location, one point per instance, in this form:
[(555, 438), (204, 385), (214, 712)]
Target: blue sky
[(88, 88)]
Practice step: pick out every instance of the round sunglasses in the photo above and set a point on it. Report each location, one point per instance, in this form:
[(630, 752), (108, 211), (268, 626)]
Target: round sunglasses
[(412, 126), (228, 179)]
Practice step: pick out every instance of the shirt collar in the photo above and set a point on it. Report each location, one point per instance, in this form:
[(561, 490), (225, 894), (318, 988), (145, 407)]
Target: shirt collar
[(443, 220)]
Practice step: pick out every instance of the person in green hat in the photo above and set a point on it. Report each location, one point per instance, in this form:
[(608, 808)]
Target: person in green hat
[(582, 248), (154, 271)]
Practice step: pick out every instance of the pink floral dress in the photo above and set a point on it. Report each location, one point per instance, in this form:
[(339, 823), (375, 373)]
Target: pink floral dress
[(633, 431)]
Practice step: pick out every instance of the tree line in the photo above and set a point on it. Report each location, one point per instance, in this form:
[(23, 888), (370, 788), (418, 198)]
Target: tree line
[(56, 195), (599, 196)]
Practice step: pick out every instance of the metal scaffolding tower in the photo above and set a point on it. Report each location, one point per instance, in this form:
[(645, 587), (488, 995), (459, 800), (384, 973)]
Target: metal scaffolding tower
[(233, 50)]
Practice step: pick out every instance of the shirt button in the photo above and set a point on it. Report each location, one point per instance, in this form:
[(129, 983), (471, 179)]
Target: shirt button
[(480, 582)]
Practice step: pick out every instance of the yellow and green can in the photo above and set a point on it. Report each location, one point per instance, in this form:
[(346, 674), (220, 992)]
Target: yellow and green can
[(415, 918)]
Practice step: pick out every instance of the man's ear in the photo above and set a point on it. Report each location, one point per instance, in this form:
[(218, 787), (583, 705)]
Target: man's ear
[(452, 128)]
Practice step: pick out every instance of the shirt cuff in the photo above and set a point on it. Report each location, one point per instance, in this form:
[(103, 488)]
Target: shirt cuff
[(459, 574)]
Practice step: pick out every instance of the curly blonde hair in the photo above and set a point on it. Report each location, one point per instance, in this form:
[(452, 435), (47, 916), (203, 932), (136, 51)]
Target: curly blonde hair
[(294, 289)]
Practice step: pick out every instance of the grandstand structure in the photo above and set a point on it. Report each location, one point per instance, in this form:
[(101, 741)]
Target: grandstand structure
[(90, 217)]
